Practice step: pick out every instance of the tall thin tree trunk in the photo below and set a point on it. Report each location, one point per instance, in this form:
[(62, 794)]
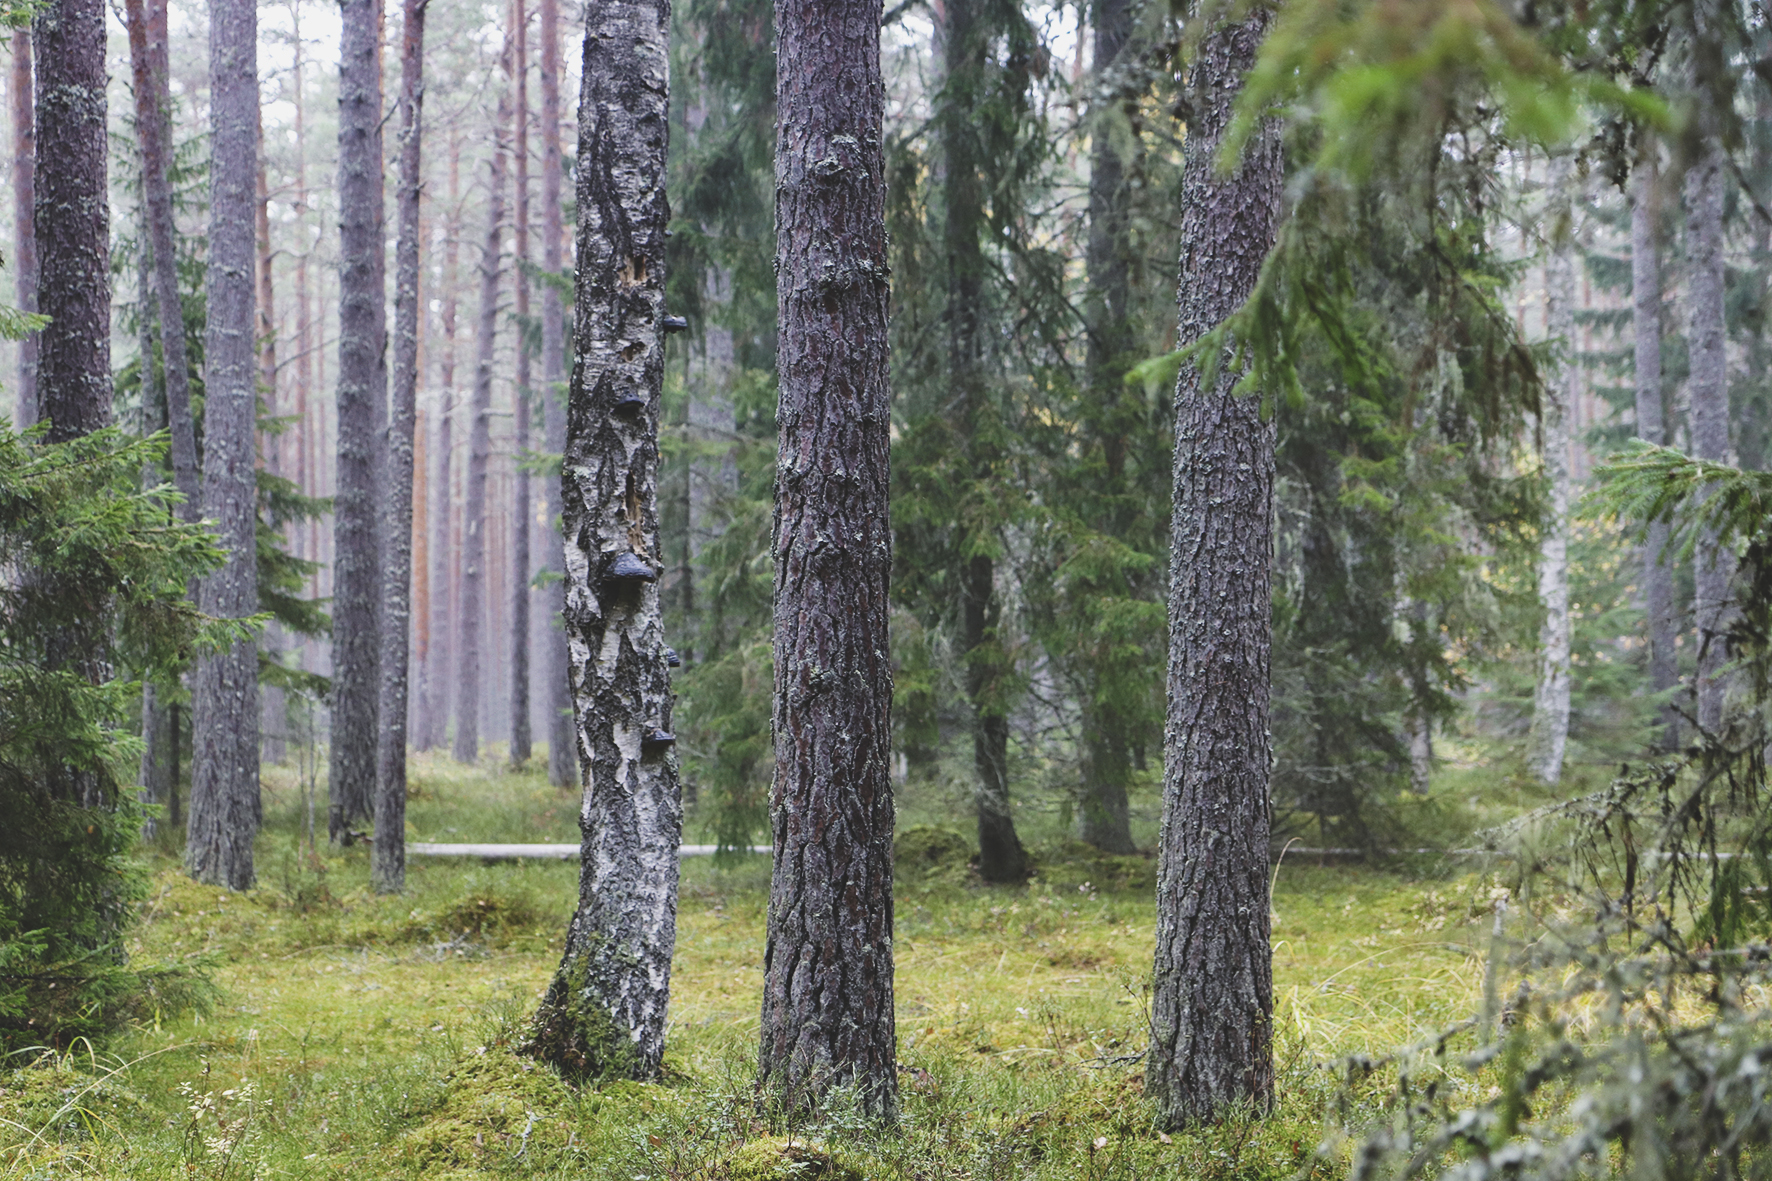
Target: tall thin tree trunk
[(422, 711), (1549, 735), (387, 868), (1212, 1007), (149, 68), (964, 46), (306, 432), (556, 668), (1714, 565), (274, 722), (1103, 818), (604, 1013), (520, 749), (471, 616), (362, 414), (1658, 576), (444, 553), (224, 699), (24, 250), (827, 970), (153, 773)]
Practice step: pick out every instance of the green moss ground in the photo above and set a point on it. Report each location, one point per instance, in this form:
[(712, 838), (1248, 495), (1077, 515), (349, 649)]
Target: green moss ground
[(370, 1037)]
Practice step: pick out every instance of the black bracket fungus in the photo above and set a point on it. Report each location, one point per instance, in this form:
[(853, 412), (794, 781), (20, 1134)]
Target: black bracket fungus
[(630, 568), (674, 324), (656, 742), (631, 402), (623, 576), (671, 659)]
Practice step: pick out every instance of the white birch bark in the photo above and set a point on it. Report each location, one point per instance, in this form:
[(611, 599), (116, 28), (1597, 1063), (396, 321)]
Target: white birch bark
[(1549, 736)]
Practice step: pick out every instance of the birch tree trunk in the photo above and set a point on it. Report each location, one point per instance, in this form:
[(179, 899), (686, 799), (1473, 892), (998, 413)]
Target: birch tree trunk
[(224, 699), (387, 867), (149, 71), (1212, 1008), (556, 668), (362, 414), (1103, 818), (1658, 577), (604, 1013), (472, 606), (827, 970), (520, 748), (1549, 735), (1714, 565), (24, 249)]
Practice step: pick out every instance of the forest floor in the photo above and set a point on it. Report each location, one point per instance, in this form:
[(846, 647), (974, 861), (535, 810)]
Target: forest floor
[(369, 1037)]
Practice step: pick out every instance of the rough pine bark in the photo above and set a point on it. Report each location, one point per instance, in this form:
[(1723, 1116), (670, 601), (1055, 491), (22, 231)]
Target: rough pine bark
[(520, 746), (1549, 735), (1714, 565), (1211, 1042), (149, 71), (471, 613), (224, 697), (362, 398), (71, 220), (24, 239), (604, 1013), (1658, 576), (387, 865), (556, 667), (827, 975), (1103, 818)]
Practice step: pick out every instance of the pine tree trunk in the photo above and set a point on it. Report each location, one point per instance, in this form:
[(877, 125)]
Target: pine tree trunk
[(24, 249), (604, 1014), (1549, 734), (152, 777), (1658, 576), (273, 722), (1103, 815), (444, 554), (224, 699), (362, 414), (472, 606), (827, 975), (71, 220), (1212, 1007), (149, 70), (1714, 565), (520, 749), (387, 868), (556, 671), (964, 47)]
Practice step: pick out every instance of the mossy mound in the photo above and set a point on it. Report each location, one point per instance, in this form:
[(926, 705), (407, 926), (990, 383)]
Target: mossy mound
[(777, 1159), (1073, 863), (52, 1102), (926, 853), (494, 1107)]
